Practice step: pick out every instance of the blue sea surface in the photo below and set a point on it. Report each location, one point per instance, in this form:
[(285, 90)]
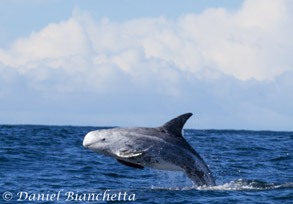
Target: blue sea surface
[(38, 162)]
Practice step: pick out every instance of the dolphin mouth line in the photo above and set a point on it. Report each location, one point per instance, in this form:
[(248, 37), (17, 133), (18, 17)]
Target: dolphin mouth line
[(89, 145)]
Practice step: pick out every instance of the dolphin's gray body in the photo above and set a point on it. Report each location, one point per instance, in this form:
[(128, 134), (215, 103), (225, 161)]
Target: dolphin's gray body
[(159, 148)]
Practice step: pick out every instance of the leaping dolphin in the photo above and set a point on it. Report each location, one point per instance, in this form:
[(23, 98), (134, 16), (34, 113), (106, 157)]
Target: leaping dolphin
[(159, 148)]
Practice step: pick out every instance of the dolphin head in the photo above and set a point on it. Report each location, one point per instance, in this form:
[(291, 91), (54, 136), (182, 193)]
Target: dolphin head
[(97, 141)]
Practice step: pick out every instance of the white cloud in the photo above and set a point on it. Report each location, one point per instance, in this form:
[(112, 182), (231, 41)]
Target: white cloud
[(252, 42), (203, 58)]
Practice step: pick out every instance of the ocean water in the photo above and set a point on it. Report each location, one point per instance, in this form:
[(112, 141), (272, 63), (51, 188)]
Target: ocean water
[(48, 164)]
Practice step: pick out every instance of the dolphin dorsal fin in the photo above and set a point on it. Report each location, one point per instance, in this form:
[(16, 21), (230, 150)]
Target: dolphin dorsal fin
[(175, 125)]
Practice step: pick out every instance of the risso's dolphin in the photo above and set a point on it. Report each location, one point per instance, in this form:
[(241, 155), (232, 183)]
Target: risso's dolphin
[(159, 148)]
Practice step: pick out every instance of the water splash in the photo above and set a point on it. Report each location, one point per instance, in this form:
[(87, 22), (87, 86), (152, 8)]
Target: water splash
[(237, 185), (243, 184)]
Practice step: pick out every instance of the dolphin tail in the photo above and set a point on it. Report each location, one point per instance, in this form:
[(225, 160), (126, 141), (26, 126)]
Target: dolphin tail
[(199, 177)]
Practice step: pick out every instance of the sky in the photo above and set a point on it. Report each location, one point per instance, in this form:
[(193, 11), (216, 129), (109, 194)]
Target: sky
[(141, 63)]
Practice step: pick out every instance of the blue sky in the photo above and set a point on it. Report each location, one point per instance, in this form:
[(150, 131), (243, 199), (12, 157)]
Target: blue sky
[(140, 63)]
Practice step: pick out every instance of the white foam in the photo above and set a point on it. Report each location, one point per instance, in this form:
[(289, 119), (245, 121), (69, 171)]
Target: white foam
[(237, 185)]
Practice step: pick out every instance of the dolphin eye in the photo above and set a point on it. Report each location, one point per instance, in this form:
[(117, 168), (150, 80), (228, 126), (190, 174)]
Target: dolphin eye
[(103, 140)]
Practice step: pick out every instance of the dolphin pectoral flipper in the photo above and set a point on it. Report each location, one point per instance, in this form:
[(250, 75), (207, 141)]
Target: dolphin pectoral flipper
[(128, 153), (130, 164)]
